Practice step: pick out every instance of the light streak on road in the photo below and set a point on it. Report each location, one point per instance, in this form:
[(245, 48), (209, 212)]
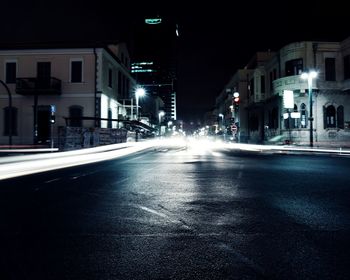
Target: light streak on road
[(13, 166), (29, 164)]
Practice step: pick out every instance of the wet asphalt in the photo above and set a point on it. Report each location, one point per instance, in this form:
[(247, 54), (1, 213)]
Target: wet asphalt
[(176, 213)]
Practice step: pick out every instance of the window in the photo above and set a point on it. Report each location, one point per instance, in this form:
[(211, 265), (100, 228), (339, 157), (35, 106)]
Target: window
[(294, 121), (271, 81), (109, 122), (340, 117), (330, 69), (7, 121), (330, 120), (43, 70), (262, 84), (110, 77), (119, 83), (75, 115), (11, 69), (76, 74), (347, 67), (127, 88), (303, 116), (124, 87), (294, 67), (251, 86), (43, 73)]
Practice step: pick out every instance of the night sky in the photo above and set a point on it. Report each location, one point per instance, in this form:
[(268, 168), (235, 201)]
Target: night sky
[(216, 38)]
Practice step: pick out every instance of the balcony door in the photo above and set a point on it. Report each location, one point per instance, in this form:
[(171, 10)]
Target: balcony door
[(43, 74)]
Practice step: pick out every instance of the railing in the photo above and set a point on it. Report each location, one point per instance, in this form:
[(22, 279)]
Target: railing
[(42, 86), (289, 83)]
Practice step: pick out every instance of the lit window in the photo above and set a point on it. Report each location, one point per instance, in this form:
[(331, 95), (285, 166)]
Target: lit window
[(330, 116)]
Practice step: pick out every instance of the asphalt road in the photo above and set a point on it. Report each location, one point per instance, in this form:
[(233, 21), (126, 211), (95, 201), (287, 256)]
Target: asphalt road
[(180, 214)]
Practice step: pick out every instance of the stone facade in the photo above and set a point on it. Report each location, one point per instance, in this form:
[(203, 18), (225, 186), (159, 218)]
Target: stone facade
[(271, 74)]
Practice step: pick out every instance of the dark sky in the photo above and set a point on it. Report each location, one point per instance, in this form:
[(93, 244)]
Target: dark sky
[(216, 38)]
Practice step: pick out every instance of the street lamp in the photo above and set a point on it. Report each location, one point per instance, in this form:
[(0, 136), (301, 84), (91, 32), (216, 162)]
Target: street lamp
[(309, 76), (160, 115), (222, 125), (139, 92), (222, 119)]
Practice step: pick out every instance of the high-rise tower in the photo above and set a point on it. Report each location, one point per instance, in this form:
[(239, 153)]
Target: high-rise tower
[(154, 64)]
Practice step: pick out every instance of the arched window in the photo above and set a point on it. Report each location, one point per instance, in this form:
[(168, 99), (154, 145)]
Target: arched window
[(330, 116), (109, 122), (340, 117), (303, 116), (13, 121), (75, 115), (295, 121)]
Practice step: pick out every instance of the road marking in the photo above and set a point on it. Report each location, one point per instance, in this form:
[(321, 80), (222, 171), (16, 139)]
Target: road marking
[(119, 181), (53, 180), (152, 211), (243, 258), (175, 221)]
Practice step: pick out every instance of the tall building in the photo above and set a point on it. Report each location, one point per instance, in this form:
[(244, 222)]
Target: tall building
[(154, 65)]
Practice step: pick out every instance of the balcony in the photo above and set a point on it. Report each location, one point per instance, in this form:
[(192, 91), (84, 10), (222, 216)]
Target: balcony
[(38, 86), (289, 83)]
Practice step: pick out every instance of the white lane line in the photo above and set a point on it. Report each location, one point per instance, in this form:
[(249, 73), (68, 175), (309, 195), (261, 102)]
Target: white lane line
[(153, 211), (175, 221), (53, 180), (119, 181)]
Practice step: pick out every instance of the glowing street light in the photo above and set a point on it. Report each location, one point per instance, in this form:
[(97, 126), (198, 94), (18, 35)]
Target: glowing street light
[(160, 115), (223, 125), (139, 92), (309, 76)]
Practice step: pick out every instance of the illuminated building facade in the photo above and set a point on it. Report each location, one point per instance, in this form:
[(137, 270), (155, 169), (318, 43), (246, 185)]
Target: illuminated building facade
[(271, 75), (69, 82)]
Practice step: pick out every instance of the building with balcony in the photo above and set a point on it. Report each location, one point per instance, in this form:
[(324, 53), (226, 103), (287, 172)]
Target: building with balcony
[(55, 86), (271, 74)]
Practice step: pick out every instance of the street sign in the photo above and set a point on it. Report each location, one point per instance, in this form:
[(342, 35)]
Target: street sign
[(234, 128), (53, 108)]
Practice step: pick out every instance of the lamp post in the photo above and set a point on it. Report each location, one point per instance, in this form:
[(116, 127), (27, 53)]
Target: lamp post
[(310, 76), (139, 92), (10, 112), (222, 119), (222, 125), (160, 115)]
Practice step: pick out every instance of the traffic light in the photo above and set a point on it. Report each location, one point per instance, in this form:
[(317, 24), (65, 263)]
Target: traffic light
[(52, 118), (236, 100)]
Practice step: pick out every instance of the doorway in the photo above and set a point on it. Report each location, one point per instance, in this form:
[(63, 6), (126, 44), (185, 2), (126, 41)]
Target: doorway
[(44, 125)]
